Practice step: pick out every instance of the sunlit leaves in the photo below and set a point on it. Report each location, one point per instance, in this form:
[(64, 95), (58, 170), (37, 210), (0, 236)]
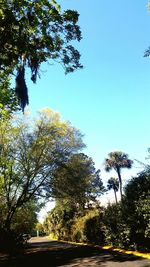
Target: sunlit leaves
[(29, 156), (33, 29), (33, 32)]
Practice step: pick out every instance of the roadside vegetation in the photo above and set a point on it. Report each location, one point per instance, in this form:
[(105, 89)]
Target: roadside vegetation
[(124, 224), (42, 159)]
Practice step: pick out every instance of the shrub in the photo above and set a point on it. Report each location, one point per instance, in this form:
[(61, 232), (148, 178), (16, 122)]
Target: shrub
[(117, 232), (89, 228)]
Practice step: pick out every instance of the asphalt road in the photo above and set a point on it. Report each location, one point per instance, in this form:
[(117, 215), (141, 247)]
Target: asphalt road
[(44, 253)]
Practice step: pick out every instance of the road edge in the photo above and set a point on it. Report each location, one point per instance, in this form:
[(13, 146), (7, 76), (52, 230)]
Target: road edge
[(130, 252)]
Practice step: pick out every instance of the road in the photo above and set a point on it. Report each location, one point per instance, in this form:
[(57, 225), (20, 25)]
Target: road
[(44, 253)]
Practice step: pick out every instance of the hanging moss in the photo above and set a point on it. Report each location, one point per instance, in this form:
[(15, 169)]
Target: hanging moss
[(21, 88)]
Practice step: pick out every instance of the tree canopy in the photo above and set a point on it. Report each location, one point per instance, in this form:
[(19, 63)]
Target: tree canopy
[(118, 160), (113, 183), (33, 32), (8, 98), (29, 156), (80, 179), (136, 207)]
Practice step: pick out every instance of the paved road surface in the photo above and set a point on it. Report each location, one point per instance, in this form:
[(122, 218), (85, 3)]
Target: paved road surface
[(44, 253)]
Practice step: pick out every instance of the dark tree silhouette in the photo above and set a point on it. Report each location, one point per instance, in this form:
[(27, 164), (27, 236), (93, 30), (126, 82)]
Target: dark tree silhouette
[(113, 183), (118, 160)]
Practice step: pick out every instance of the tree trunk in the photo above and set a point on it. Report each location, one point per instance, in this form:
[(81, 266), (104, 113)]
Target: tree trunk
[(9, 220), (7, 225), (115, 196), (120, 182)]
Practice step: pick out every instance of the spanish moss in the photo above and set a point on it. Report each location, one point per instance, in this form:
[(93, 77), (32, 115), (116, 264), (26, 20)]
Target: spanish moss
[(21, 88)]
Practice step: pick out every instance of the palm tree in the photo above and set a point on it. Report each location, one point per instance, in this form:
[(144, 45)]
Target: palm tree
[(118, 160), (113, 183)]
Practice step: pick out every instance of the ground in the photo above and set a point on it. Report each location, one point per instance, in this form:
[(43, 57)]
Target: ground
[(44, 253)]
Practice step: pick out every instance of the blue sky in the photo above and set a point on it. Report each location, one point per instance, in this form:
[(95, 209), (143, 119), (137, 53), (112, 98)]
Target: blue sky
[(109, 100)]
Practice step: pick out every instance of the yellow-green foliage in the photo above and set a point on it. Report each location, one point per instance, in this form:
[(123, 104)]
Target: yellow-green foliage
[(89, 228)]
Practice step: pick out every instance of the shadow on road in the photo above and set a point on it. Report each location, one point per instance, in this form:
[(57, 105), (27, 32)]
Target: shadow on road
[(46, 254)]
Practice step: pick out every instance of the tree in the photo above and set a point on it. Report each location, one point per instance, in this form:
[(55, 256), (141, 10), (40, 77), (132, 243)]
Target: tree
[(139, 186), (75, 187), (23, 222), (25, 218), (113, 183), (33, 32), (29, 156), (40, 229), (136, 208), (8, 98), (80, 179), (59, 220), (116, 161), (89, 228)]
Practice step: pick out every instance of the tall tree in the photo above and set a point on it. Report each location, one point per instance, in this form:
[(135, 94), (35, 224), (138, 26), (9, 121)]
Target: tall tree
[(29, 156), (33, 32), (75, 186), (113, 183), (117, 161), (80, 179)]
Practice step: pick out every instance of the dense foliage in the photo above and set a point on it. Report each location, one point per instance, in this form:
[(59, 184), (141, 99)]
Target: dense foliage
[(23, 221), (76, 186), (123, 224), (89, 228), (8, 98), (42, 159), (82, 182), (69, 223), (136, 205), (33, 32), (29, 157)]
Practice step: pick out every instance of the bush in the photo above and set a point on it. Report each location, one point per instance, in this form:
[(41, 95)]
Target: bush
[(89, 228), (117, 232), (58, 222), (136, 209)]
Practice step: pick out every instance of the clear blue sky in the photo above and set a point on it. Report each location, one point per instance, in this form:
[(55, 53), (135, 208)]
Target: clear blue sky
[(109, 100)]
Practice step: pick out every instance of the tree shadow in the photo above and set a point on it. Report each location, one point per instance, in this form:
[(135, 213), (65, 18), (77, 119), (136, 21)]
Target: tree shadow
[(54, 254)]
